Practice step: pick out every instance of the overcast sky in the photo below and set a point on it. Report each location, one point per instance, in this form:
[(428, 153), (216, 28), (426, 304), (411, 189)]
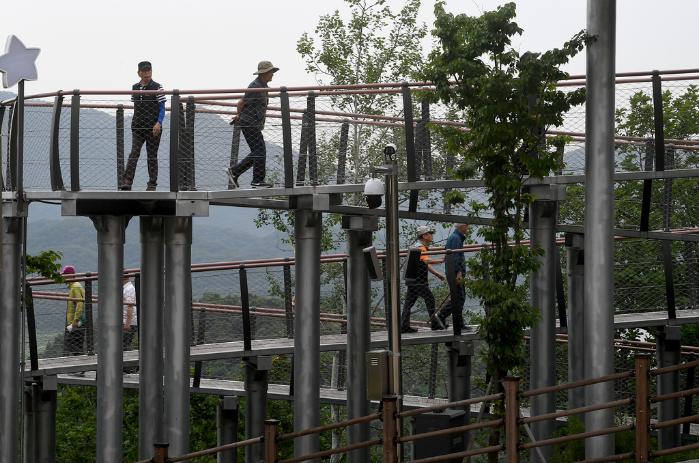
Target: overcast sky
[(92, 44)]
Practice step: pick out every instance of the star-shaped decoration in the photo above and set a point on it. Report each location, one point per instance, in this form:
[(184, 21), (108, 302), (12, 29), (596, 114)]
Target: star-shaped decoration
[(18, 62)]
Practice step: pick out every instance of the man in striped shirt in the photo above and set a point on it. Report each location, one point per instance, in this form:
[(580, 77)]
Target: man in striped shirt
[(146, 127)]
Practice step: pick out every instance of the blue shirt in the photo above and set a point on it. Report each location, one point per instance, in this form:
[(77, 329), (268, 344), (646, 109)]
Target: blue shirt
[(456, 259)]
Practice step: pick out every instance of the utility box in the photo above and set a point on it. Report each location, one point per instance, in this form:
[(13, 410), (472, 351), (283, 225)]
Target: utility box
[(377, 373), (440, 445)]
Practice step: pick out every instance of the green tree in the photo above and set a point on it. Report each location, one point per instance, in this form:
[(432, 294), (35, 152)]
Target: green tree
[(508, 100)]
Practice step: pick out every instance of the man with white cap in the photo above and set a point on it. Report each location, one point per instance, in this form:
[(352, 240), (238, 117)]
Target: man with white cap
[(252, 109), (419, 286)]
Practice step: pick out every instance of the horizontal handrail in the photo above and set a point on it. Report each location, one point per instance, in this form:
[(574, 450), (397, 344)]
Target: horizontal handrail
[(576, 411), (571, 437), (675, 395), (214, 450), (670, 369), (620, 457), (580, 383), (458, 404), (455, 430), (329, 427), (335, 451), (675, 422), (672, 451), (468, 453)]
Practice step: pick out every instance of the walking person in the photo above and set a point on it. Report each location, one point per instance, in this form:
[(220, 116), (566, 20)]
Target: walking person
[(74, 336), (130, 315), (146, 127), (252, 110), (419, 287), (455, 269)]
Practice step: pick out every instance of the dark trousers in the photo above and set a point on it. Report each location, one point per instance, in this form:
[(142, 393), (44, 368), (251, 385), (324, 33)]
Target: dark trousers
[(415, 292), (128, 336), (152, 142), (257, 157), (455, 306), (73, 342)]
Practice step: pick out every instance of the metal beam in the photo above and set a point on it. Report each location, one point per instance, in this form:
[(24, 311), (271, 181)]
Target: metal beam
[(599, 220), (576, 312), (178, 329), (110, 252), (256, 384)]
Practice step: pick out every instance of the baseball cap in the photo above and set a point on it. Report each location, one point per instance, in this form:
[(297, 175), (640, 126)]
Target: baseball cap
[(68, 270), (422, 229), (265, 66)]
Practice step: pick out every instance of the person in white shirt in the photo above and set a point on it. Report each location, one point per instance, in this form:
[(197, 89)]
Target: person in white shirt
[(130, 317)]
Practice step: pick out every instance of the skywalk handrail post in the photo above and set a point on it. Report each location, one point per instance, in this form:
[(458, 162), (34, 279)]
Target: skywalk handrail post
[(642, 366), (54, 148), (75, 141), (286, 139), (410, 144), (511, 385), (270, 440), (342, 153), (245, 303), (19, 140), (175, 141), (303, 151), (89, 324), (160, 453), (120, 143), (311, 134), (390, 429)]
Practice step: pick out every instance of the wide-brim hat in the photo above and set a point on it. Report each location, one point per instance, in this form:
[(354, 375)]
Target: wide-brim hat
[(265, 66), (423, 229)]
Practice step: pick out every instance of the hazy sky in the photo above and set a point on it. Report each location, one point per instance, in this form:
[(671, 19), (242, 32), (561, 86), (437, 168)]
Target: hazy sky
[(92, 44)]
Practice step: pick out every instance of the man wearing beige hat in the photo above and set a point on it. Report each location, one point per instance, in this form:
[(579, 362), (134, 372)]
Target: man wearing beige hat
[(252, 108)]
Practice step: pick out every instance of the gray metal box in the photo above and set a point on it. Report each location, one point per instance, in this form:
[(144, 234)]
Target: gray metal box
[(440, 445), (377, 373)]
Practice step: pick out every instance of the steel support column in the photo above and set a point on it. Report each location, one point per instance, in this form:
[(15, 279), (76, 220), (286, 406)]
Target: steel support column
[(359, 234), (256, 384), (307, 329), (150, 386), (10, 332), (227, 428), (460, 356), (576, 312), (599, 219), (542, 223), (40, 421), (178, 330), (668, 352), (110, 263)]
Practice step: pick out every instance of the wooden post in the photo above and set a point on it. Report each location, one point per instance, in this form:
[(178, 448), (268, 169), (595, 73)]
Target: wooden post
[(160, 453), (511, 419), (390, 430), (642, 365), (271, 427)]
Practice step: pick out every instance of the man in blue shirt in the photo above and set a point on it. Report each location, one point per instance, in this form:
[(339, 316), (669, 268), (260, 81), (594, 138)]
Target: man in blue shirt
[(252, 110), (146, 127), (455, 269)]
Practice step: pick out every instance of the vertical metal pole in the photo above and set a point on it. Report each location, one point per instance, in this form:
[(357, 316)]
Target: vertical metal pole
[(110, 249), (303, 151), (358, 337), (227, 428), (45, 420), (120, 144), (175, 141), (410, 144), (642, 365), (19, 167), (31, 327), (286, 139), (190, 117), (668, 352), (256, 383), (10, 320), (511, 419), (54, 153), (658, 122), (426, 141), (342, 153), (307, 329), (542, 221), (311, 134), (393, 275), (235, 149), (75, 141), (12, 151), (599, 220), (178, 305), (89, 321), (30, 438), (150, 322), (245, 306), (576, 313)]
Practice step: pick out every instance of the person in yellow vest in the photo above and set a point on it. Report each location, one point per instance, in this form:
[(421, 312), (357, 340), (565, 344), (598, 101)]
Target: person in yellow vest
[(74, 337)]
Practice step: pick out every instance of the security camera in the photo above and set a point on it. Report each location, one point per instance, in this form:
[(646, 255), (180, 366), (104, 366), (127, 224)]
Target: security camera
[(389, 150), (373, 192)]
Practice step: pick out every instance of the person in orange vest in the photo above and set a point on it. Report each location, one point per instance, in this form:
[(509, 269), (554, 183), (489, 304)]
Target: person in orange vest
[(419, 286)]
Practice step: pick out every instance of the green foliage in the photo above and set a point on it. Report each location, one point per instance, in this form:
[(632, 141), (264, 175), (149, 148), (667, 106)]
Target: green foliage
[(508, 101), (46, 264)]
